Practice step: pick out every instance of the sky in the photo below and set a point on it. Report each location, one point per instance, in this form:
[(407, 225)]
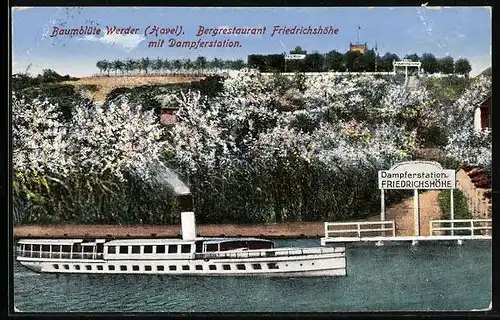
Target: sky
[(461, 32)]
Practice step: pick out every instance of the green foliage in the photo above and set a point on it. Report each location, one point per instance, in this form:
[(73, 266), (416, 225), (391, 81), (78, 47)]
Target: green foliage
[(432, 136), (21, 81), (150, 96), (354, 61), (462, 66), (429, 63), (461, 210), (386, 62), (334, 61), (64, 95), (93, 198), (445, 65), (448, 89), (412, 57)]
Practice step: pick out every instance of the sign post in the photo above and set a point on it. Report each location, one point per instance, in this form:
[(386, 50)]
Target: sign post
[(416, 175), (416, 213), (452, 212)]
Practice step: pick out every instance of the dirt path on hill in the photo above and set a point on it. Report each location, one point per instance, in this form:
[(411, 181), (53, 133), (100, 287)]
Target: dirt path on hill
[(401, 213)]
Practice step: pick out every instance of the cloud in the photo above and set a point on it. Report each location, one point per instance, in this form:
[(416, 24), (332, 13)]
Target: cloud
[(129, 42)]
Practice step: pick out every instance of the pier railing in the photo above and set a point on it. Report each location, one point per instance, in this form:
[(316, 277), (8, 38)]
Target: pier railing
[(469, 227), (267, 253), (360, 229), (59, 255)]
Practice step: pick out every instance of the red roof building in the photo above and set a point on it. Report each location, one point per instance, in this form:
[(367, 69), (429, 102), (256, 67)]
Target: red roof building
[(482, 115)]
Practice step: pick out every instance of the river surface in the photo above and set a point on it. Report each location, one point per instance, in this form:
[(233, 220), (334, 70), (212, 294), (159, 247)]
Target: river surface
[(434, 276)]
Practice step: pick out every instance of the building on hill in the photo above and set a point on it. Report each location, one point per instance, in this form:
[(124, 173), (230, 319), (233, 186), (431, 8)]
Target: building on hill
[(482, 115), (168, 116), (358, 47)]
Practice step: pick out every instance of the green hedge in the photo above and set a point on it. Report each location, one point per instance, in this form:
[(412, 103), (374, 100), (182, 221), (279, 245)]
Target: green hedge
[(461, 210)]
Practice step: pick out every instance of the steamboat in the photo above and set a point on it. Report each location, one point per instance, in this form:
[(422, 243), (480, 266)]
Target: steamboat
[(188, 255)]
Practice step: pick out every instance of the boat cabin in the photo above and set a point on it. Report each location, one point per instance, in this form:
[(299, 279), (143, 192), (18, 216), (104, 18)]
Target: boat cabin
[(61, 249), (178, 246), (223, 244), (128, 248)]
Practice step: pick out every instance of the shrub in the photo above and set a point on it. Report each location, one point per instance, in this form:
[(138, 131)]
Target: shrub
[(461, 210)]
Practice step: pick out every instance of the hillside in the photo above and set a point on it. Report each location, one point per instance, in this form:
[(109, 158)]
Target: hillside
[(98, 87)]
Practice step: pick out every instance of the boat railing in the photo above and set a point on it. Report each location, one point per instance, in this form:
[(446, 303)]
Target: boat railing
[(59, 255), (267, 253)]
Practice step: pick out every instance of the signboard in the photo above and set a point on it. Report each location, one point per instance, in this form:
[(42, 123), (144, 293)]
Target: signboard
[(406, 63), (417, 175), (295, 56)]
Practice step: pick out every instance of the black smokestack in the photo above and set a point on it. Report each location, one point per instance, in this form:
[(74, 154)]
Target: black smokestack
[(186, 202)]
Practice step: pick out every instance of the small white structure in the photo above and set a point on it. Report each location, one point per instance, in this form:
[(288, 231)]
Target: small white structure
[(406, 64)]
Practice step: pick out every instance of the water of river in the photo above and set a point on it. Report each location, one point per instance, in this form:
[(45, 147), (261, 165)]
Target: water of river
[(389, 278)]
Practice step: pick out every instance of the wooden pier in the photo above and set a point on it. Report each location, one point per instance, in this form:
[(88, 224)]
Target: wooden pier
[(381, 232)]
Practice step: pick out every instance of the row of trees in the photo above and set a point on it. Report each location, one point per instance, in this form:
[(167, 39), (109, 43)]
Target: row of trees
[(147, 65), (354, 61)]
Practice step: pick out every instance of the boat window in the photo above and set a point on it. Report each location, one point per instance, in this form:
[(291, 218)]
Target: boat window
[(147, 268), (240, 267), (99, 268), (66, 249), (88, 267), (27, 247), (45, 248), (136, 249), (123, 268), (212, 267), (272, 265), (124, 249), (212, 247), (172, 248), (88, 249), (159, 249), (56, 266), (226, 267), (36, 247), (148, 249), (66, 267), (231, 245), (186, 248), (198, 246), (77, 267), (112, 249), (172, 268), (160, 268), (111, 268), (56, 248), (100, 248), (199, 267), (256, 266), (135, 268), (185, 267), (256, 245)]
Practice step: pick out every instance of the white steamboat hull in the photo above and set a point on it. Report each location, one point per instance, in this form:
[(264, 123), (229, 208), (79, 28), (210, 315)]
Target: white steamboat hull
[(333, 264)]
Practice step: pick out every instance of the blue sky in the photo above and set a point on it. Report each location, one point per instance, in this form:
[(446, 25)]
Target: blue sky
[(456, 31)]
